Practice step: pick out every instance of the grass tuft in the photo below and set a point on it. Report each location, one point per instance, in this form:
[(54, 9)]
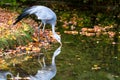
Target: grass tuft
[(19, 36)]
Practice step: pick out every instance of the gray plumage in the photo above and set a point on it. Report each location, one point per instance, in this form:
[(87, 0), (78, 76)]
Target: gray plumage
[(45, 14)]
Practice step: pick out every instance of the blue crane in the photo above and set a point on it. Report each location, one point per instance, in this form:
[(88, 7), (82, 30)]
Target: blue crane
[(47, 72), (43, 13)]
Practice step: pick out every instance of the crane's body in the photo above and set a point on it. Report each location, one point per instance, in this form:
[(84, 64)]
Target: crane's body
[(47, 72), (43, 13)]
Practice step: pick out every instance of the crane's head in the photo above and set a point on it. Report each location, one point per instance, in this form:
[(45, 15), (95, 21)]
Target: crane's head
[(57, 37)]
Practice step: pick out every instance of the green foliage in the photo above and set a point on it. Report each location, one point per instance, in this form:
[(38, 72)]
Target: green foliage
[(11, 3), (16, 39), (8, 2), (22, 0)]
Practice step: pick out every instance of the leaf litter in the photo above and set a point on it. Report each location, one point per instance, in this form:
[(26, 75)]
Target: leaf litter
[(6, 28)]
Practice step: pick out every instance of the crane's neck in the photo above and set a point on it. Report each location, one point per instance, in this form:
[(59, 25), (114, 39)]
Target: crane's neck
[(56, 36), (54, 33), (53, 60), (53, 29)]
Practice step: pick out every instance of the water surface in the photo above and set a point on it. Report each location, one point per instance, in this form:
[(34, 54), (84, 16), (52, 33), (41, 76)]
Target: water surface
[(81, 58)]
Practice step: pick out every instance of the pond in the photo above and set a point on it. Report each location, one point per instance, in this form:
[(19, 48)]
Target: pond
[(79, 58)]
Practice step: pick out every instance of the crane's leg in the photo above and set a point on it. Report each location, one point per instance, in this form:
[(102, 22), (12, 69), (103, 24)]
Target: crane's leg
[(44, 33), (43, 28), (39, 31)]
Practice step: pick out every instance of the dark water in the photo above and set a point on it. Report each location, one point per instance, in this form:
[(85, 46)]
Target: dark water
[(79, 58)]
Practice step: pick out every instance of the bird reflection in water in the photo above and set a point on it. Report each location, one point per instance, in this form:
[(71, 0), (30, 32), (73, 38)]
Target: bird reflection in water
[(4, 74), (47, 72)]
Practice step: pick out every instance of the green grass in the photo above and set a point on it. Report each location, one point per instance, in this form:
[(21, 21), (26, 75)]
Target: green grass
[(21, 36)]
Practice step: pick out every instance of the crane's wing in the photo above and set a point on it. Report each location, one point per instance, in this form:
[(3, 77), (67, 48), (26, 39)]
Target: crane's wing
[(21, 16), (41, 12), (25, 13)]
